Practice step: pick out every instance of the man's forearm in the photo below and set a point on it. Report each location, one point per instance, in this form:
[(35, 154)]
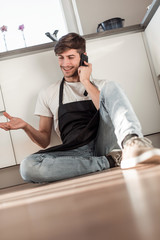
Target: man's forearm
[(84, 77), (39, 137), (93, 92)]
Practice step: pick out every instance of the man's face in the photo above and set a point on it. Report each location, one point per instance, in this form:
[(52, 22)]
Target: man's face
[(69, 63)]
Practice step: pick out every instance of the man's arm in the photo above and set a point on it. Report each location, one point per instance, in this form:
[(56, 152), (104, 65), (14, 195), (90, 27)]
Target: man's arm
[(84, 75), (41, 136)]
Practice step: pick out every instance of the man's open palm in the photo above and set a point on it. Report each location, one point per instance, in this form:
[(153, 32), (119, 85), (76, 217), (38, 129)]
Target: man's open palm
[(13, 123)]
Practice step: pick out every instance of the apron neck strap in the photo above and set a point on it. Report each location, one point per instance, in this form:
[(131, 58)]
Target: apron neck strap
[(61, 92)]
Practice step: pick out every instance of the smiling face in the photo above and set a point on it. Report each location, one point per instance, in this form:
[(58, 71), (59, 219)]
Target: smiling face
[(69, 63)]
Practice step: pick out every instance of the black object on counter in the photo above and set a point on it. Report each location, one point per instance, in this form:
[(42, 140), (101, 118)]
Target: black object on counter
[(110, 24)]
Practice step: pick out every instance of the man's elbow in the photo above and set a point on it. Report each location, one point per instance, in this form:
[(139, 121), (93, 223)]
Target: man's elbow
[(45, 145), (44, 141)]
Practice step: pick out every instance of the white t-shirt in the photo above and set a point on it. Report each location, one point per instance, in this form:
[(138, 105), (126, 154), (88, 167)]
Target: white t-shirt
[(48, 99)]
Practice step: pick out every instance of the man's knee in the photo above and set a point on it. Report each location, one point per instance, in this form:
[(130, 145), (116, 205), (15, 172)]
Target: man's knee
[(109, 88), (26, 168)]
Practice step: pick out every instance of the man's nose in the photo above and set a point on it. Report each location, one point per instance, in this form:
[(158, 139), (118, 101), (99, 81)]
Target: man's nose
[(66, 62)]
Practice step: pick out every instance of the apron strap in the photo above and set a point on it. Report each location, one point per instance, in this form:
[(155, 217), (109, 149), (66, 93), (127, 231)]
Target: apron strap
[(61, 92)]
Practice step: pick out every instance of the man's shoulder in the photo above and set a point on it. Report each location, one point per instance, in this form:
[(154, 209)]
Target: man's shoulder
[(51, 89)]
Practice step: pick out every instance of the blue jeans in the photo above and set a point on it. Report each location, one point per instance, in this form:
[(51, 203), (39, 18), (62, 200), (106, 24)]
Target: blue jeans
[(117, 120)]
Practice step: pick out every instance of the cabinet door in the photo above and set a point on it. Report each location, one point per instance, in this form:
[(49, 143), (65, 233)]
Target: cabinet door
[(27, 76), (153, 37), (6, 151), (123, 59), (1, 102)]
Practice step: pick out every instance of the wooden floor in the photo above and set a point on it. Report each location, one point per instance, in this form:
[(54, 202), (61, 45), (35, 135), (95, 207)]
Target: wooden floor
[(111, 205)]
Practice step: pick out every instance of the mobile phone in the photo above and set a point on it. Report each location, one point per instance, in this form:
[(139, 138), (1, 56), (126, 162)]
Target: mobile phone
[(83, 58)]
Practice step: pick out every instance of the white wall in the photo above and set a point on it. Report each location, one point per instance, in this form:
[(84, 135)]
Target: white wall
[(93, 12)]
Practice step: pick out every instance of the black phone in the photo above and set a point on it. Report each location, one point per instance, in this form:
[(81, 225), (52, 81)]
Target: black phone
[(83, 58)]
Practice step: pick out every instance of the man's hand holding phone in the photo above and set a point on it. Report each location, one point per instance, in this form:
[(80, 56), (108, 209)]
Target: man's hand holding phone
[(84, 70)]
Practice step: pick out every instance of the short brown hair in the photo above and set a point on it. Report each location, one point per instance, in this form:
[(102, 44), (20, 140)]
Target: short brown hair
[(70, 41)]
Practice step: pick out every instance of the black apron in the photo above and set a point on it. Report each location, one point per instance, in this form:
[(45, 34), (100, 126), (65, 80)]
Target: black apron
[(78, 123)]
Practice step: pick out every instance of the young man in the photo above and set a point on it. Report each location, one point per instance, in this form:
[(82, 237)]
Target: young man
[(92, 117)]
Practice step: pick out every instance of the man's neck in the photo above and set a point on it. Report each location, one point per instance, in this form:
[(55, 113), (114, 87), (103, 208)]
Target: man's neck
[(71, 79)]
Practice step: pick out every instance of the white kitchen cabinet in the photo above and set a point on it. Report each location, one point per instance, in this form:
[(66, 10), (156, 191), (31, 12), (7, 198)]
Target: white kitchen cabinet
[(6, 150), (153, 38), (1, 102), (123, 59), (22, 78)]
